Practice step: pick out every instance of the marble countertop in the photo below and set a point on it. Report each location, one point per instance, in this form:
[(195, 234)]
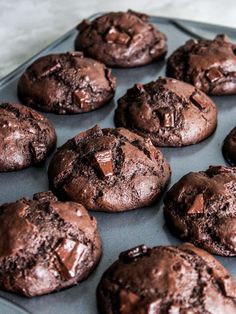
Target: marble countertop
[(27, 26)]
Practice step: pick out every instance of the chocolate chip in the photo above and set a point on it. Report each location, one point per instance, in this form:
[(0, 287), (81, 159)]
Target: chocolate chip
[(81, 98), (52, 68), (69, 253), (151, 147), (103, 160), (96, 131), (38, 150), (213, 74), (197, 206), (169, 120), (114, 36), (197, 99), (137, 251)]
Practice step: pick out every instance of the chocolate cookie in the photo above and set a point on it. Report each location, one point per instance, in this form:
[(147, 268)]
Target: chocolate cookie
[(121, 39), (66, 83), (229, 148), (170, 112), (210, 65), (201, 208), (46, 245), (166, 279), (26, 137), (109, 170)]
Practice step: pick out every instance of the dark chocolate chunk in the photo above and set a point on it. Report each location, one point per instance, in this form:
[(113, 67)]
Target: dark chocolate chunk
[(50, 69), (137, 251), (214, 74), (103, 160), (197, 206), (70, 254)]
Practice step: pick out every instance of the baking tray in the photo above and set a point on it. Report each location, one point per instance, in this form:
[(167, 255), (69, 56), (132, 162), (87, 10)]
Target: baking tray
[(124, 230)]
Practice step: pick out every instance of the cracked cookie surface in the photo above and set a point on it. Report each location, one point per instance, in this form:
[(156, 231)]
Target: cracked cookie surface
[(66, 83), (229, 148), (109, 170), (170, 112), (210, 65), (46, 245), (200, 208), (166, 280), (121, 39), (26, 137)]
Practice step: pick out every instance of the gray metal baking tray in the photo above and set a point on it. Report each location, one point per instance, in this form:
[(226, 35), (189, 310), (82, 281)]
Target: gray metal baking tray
[(125, 230)]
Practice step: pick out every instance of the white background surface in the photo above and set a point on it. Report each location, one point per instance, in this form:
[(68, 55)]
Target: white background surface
[(27, 26)]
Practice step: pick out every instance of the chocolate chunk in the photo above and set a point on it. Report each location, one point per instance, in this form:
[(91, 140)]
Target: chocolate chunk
[(151, 147), (114, 36), (197, 206), (214, 74), (197, 99), (168, 120), (70, 253), (103, 160), (50, 69), (121, 39), (130, 255), (82, 98), (38, 150)]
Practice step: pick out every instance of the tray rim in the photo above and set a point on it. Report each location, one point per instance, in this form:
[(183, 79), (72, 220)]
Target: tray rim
[(177, 22)]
